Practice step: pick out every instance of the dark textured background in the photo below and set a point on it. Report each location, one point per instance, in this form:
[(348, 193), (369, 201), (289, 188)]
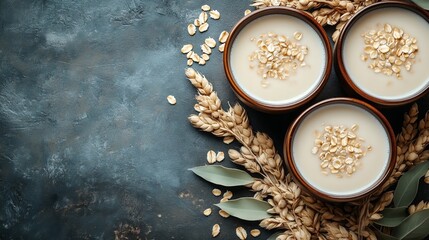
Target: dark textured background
[(88, 142)]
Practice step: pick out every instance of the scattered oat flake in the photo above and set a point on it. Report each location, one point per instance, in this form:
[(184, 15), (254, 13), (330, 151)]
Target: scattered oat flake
[(207, 212), (190, 62), (216, 192), (228, 140), (203, 27), (211, 156), (297, 35), (202, 61), (241, 233), (223, 36), (387, 28), (223, 213), (220, 156), (255, 232), (171, 99), (205, 7), (205, 57), (210, 42), (224, 200), (197, 22), (215, 230), (214, 14), (195, 57), (206, 49), (247, 12), (222, 47), (192, 29), (203, 17), (314, 150), (189, 54), (227, 194), (186, 48)]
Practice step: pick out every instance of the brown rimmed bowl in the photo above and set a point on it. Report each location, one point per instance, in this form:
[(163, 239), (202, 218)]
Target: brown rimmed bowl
[(310, 183), (244, 96), (349, 83)]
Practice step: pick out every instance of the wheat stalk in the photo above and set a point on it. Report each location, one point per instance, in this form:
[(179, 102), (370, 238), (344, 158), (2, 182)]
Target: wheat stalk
[(422, 205), (326, 12)]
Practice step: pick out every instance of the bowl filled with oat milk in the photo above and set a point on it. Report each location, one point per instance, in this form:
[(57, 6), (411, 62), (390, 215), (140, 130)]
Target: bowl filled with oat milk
[(340, 149), (381, 54), (277, 59)]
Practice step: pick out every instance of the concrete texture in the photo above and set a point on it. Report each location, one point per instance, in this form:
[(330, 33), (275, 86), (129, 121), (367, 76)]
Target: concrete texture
[(88, 143)]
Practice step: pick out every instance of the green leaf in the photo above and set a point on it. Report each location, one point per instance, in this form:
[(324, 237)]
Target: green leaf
[(275, 235), (246, 208), (408, 184), (392, 217), (422, 3), (384, 236), (220, 175), (413, 227)]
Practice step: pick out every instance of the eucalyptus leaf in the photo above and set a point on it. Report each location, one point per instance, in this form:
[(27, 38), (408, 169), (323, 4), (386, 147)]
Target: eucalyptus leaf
[(392, 217), (246, 208), (413, 227), (228, 177), (406, 190), (275, 235), (384, 236), (422, 3)]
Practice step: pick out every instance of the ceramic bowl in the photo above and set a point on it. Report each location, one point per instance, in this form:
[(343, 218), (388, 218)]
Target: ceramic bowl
[(361, 77), (284, 103)]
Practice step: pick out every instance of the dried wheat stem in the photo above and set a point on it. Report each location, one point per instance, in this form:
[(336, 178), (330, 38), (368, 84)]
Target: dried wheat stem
[(331, 12)]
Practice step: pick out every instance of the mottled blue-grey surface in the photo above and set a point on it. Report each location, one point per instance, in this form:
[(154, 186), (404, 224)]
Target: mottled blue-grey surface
[(88, 143)]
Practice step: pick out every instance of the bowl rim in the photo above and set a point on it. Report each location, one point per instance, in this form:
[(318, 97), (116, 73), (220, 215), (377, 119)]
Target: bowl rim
[(288, 145), (304, 16), (338, 51)]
